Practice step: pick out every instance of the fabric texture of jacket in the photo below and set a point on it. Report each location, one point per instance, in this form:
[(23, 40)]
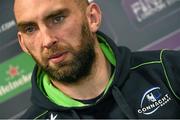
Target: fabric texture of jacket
[(145, 85)]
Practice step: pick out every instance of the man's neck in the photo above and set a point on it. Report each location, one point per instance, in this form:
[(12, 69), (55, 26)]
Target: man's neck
[(92, 85)]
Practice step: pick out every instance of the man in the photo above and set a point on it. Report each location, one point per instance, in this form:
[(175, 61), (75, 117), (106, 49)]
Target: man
[(81, 73)]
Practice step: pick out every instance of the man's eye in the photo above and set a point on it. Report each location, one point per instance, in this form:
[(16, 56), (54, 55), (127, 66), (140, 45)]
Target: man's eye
[(58, 19), (29, 29)]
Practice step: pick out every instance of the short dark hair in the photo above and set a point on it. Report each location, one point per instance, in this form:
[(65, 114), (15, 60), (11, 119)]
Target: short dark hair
[(82, 4), (82, 1)]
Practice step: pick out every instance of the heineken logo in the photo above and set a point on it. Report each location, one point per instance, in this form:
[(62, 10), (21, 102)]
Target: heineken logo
[(15, 76), (13, 71), (11, 86)]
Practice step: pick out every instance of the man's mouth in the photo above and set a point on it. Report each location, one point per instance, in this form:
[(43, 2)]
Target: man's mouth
[(58, 57)]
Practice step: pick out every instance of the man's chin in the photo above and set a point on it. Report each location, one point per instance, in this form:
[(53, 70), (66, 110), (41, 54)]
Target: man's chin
[(59, 69)]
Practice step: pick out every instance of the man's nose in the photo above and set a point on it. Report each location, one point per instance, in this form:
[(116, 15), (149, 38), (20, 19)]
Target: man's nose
[(49, 38)]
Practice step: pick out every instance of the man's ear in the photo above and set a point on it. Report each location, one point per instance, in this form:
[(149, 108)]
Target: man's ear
[(22, 43), (94, 16)]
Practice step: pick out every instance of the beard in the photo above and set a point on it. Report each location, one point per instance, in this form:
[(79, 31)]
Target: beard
[(81, 63)]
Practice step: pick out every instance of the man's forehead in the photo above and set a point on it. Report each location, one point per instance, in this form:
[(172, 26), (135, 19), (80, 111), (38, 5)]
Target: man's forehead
[(20, 1), (31, 6), (22, 6), (85, 0)]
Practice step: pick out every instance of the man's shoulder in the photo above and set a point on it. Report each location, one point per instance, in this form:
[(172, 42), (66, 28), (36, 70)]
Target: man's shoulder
[(158, 56), (162, 64)]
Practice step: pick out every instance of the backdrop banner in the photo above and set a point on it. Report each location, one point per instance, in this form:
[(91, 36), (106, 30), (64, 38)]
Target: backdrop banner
[(137, 24)]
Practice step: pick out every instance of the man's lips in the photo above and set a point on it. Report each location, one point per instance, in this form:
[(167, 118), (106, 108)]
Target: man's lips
[(58, 57)]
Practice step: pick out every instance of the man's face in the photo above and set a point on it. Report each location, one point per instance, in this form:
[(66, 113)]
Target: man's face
[(56, 34)]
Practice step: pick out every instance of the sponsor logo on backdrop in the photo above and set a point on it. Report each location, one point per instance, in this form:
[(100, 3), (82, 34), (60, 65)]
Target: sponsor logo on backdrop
[(8, 25), (145, 12), (13, 85), (13, 71), (15, 76), (153, 100)]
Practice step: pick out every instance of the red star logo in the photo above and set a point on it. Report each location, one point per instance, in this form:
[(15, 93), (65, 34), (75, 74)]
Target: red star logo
[(13, 71)]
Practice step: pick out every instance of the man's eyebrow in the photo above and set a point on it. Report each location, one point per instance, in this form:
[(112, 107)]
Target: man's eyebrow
[(22, 24), (63, 11)]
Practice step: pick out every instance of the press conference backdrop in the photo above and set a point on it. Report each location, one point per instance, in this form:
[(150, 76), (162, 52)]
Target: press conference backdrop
[(137, 24)]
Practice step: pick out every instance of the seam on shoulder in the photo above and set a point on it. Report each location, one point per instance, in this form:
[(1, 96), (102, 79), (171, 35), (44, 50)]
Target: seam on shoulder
[(145, 63), (148, 63), (166, 75), (41, 115)]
